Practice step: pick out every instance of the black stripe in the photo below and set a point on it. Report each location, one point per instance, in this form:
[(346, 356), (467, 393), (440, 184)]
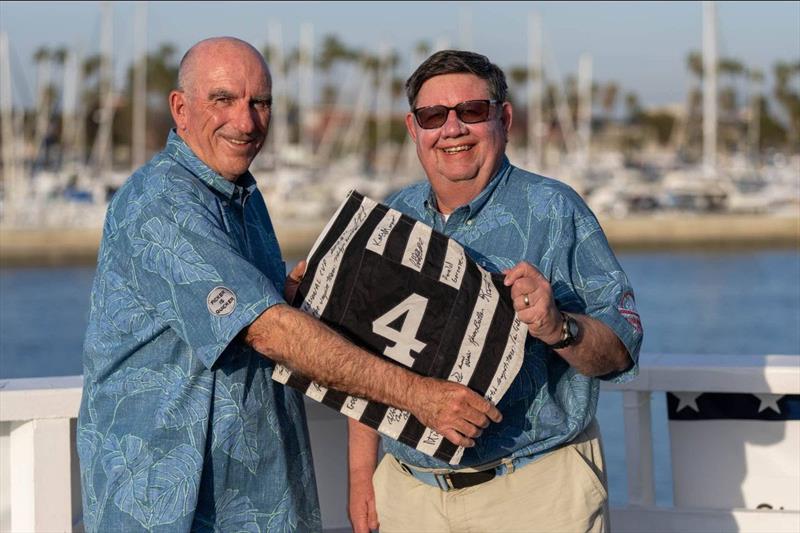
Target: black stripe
[(434, 259), (296, 381), (446, 450), (334, 398), (398, 239), (496, 338), (352, 203), (349, 265)]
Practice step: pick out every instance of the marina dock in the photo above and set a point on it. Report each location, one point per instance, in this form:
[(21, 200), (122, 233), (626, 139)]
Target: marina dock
[(62, 246)]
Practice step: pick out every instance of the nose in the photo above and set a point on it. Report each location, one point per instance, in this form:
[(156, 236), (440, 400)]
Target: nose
[(453, 127), (245, 119)]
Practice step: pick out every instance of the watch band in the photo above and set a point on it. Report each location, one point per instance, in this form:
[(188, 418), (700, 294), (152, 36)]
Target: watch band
[(567, 336)]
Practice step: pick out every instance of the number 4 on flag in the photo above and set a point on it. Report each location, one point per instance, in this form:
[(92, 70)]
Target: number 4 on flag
[(405, 339)]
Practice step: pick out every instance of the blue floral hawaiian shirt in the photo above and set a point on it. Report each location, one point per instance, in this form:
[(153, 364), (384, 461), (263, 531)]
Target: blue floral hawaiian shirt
[(181, 426), (522, 216)]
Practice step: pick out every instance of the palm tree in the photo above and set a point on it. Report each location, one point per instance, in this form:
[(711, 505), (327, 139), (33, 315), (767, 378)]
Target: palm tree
[(789, 99)]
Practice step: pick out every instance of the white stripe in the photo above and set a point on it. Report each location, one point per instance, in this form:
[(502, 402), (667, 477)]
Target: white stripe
[(417, 246), (377, 241), (457, 456), (324, 278), (316, 391), (354, 407), (455, 265), (477, 329), (510, 363), (281, 374), (475, 336), (393, 422), (429, 442)]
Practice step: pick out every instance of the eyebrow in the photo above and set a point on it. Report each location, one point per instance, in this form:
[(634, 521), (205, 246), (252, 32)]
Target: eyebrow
[(224, 93), (220, 93)]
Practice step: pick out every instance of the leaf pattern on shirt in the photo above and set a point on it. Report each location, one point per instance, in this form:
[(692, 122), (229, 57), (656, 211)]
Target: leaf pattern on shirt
[(185, 399), (127, 466), (157, 364), (172, 490), (235, 430), (133, 380), (164, 251), (234, 514), (128, 313)]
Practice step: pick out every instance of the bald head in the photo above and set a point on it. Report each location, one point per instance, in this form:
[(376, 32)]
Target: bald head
[(211, 48), (223, 103)]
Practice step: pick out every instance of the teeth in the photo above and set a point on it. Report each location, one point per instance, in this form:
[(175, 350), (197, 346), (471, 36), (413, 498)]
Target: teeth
[(234, 141), (455, 149)]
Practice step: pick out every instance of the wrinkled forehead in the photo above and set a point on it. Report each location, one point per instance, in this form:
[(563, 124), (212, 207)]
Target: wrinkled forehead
[(230, 63)]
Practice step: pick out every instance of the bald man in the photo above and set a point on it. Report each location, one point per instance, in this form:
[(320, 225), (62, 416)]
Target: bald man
[(180, 426)]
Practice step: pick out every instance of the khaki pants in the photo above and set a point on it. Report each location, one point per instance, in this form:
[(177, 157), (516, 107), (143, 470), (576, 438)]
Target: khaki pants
[(563, 491)]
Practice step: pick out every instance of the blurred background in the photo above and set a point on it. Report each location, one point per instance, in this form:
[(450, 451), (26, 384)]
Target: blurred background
[(678, 122)]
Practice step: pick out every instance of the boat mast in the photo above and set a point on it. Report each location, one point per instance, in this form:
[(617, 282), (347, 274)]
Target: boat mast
[(102, 150), (709, 89), (139, 103), (535, 154), (11, 188), (584, 111)]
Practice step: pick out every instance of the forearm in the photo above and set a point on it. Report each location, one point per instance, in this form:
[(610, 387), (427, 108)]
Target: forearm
[(362, 449), (307, 346), (598, 351)]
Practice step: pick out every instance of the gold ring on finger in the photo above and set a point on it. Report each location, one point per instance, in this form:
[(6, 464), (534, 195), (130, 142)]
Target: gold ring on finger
[(525, 299)]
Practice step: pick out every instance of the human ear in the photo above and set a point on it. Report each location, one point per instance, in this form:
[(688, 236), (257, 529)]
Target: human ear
[(177, 107), (410, 127)]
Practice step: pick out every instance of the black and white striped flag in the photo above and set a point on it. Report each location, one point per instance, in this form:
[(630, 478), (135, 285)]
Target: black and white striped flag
[(399, 289)]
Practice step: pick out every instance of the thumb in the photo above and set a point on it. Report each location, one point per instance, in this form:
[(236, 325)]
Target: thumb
[(298, 271)]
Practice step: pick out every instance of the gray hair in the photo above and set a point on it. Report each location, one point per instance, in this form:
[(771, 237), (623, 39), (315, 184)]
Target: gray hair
[(458, 62)]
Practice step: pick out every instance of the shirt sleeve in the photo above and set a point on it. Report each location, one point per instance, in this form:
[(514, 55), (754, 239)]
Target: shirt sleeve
[(588, 279), (193, 274)]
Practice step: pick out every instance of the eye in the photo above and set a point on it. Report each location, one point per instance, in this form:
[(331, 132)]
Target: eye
[(223, 100), (262, 105)]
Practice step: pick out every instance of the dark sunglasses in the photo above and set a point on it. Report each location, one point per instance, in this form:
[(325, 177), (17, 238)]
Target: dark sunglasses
[(469, 112)]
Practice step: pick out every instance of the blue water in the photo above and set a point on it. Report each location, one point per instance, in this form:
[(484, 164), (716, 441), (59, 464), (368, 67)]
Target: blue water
[(734, 302)]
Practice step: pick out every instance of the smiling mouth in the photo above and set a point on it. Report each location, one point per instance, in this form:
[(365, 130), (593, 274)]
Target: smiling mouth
[(456, 149)]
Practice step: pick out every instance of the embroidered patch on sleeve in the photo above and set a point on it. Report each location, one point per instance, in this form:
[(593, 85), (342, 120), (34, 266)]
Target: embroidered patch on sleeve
[(627, 308), (221, 301)]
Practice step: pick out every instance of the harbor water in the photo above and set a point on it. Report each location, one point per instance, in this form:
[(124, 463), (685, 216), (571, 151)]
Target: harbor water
[(696, 302)]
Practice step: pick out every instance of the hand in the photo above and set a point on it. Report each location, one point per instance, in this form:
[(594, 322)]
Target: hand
[(453, 410), (293, 281), (534, 303), (361, 502)]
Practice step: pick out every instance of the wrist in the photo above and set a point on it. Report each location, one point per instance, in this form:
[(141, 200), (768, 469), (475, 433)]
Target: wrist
[(556, 333)]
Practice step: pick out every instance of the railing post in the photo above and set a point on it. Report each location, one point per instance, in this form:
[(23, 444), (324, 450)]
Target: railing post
[(639, 447), (40, 475)]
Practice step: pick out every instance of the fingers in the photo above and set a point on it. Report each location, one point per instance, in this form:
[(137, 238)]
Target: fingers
[(522, 270), (461, 415), (298, 271), (372, 514)]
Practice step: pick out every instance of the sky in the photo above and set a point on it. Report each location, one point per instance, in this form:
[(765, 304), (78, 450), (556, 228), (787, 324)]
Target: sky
[(642, 46)]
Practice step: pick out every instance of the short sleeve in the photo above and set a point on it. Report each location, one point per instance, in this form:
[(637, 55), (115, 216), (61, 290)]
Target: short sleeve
[(589, 280), (193, 275)]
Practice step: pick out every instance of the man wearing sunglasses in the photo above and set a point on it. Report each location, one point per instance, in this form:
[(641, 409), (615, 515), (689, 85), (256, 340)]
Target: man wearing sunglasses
[(541, 468), (181, 427)]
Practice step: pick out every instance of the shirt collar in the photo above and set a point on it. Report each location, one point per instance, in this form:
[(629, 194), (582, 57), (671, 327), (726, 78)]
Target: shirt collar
[(479, 201), (180, 152)]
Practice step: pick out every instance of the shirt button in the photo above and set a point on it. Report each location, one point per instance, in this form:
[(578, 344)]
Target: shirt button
[(469, 222), (225, 203)]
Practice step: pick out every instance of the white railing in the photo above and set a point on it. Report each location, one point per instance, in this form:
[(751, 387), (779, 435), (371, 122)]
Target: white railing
[(40, 482)]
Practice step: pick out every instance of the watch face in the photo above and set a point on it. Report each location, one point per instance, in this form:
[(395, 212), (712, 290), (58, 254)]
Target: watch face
[(572, 327)]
